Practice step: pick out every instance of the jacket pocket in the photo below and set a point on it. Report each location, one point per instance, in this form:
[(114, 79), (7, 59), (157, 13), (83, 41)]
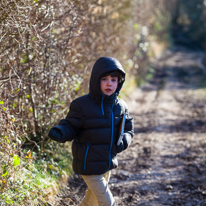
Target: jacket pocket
[(85, 156)]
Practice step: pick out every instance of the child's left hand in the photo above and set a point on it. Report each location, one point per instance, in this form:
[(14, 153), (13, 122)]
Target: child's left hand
[(120, 147)]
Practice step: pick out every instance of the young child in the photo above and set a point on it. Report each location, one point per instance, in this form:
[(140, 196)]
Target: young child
[(93, 123)]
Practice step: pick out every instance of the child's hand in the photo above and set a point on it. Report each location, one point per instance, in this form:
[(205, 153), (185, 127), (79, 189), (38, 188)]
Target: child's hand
[(55, 134), (120, 147)]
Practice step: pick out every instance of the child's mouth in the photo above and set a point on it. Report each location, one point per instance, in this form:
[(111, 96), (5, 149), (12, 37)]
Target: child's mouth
[(108, 90)]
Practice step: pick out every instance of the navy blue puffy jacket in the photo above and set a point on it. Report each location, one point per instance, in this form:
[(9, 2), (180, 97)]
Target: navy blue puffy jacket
[(93, 124)]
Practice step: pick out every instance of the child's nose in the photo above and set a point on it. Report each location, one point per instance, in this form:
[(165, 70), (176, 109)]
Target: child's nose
[(109, 82)]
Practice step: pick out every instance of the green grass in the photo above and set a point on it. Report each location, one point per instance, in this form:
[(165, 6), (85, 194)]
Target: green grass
[(37, 177)]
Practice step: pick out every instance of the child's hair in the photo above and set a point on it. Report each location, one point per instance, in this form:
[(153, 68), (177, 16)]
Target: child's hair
[(114, 74)]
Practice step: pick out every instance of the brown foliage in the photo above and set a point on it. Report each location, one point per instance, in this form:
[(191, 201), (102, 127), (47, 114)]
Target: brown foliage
[(47, 51)]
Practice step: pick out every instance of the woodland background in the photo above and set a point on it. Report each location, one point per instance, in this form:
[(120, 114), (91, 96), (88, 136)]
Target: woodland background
[(47, 50)]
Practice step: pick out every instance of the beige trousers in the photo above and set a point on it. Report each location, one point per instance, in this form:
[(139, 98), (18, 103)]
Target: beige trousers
[(98, 193)]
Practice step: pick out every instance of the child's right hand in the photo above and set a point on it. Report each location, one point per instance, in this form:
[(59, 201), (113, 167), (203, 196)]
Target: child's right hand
[(55, 134)]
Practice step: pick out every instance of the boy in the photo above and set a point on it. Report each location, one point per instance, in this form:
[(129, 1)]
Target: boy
[(93, 123)]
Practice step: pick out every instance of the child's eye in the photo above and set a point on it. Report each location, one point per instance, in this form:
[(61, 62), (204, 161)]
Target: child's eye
[(114, 80), (103, 79)]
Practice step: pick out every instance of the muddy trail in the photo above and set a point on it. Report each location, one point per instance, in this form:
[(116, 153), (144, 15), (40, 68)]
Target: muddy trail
[(166, 162)]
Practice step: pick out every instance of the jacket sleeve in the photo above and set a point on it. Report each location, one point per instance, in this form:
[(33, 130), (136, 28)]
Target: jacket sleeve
[(129, 128), (72, 124)]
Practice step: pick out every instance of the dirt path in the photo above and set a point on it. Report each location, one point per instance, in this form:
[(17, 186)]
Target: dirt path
[(166, 163)]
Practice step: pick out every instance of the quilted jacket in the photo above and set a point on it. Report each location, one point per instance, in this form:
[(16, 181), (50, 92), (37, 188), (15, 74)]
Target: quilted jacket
[(93, 123)]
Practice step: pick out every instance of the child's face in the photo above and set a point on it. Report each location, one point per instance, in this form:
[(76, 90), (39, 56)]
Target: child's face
[(108, 85)]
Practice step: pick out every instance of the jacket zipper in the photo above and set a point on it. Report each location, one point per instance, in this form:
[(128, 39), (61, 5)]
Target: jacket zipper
[(85, 157), (110, 150), (102, 105)]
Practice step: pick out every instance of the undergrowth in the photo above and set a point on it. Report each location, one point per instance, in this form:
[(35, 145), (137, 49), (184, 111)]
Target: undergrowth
[(31, 177)]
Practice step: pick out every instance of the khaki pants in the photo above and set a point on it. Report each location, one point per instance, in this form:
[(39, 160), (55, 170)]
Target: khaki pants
[(98, 193)]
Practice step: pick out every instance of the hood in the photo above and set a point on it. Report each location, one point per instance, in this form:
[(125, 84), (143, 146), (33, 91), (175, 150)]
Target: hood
[(101, 66)]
